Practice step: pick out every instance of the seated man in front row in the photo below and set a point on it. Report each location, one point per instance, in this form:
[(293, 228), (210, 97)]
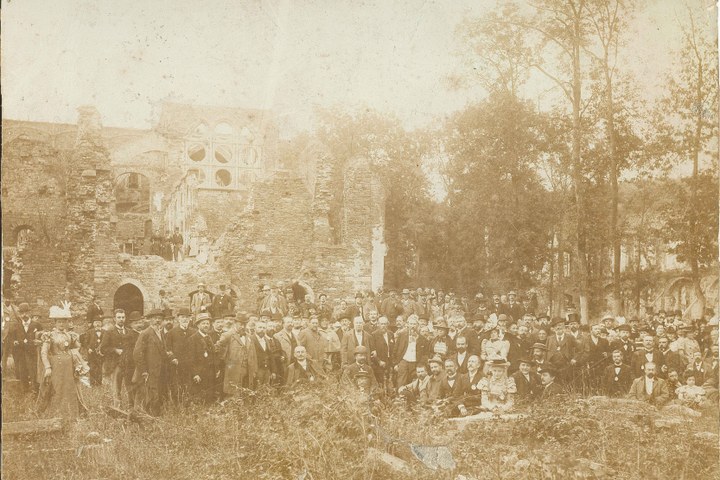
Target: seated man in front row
[(356, 374), (302, 369), (415, 392), (650, 388)]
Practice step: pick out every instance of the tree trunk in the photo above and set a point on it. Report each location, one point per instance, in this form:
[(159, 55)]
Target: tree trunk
[(612, 147), (580, 237), (693, 250)]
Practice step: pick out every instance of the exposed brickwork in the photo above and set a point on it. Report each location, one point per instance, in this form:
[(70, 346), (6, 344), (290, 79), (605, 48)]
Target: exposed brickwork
[(313, 226)]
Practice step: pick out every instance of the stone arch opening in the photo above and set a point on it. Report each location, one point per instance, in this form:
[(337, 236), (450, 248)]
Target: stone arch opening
[(23, 235), (132, 193), (681, 293), (300, 289), (130, 298)]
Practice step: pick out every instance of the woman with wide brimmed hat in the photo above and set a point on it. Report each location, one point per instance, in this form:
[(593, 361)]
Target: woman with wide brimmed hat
[(497, 389), (60, 394)]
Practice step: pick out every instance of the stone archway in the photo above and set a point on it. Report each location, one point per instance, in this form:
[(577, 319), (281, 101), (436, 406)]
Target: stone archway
[(130, 298), (300, 289)]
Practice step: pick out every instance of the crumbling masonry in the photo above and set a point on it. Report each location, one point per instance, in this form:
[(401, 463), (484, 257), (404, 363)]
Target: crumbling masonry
[(82, 202)]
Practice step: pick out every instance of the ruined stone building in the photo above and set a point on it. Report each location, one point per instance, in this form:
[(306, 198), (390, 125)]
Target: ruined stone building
[(84, 207)]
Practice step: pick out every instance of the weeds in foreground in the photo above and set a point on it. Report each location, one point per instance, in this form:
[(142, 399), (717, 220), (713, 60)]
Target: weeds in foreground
[(325, 433)]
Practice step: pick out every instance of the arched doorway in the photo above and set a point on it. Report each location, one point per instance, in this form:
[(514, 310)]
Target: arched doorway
[(300, 289), (129, 298)]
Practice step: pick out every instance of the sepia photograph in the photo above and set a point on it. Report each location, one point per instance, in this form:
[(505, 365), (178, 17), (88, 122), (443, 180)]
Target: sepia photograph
[(360, 240)]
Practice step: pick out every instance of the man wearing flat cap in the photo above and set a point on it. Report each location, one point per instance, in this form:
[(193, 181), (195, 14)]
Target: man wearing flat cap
[(22, 339), (359, 370)]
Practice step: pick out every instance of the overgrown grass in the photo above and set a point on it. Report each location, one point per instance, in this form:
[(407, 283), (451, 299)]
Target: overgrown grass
[(324, 434)]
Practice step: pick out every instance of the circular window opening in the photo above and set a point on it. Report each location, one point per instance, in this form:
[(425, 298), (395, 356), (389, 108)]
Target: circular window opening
[(196, 153), (222, 154), (223, 178)]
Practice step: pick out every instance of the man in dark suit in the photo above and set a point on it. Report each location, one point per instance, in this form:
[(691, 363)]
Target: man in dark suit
[(357, 374), (223, 303), (382, 345), (177, 342), (203, 364), (391, 308), (461, 354), (150, 356), (624, 344), (302, 369), (24, 349), (513, 308), (648, 353), (550, 387), (94, 312), (528, 384), (268, 354), (562, 351), (671, 360), (596, 354), (117, 346), (471, 338), (454, 387), (617, 376), (358, 310), (91, 341), (497, 306)]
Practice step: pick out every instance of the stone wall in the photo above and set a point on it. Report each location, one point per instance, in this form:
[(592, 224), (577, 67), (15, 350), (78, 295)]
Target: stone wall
[(217, 207), (33, 189), (269, 239), (314, 227)]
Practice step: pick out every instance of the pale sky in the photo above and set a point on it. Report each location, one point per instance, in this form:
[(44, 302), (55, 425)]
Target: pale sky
[(291, 56)]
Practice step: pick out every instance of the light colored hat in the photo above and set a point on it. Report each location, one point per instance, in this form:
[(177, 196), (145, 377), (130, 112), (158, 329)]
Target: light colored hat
[(58, 312)]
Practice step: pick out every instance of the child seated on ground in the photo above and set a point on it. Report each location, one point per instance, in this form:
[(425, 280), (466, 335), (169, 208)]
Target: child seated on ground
[(690, 394)]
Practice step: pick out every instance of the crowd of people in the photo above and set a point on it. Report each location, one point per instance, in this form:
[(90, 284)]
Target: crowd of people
[(423, 348), (170, 247)]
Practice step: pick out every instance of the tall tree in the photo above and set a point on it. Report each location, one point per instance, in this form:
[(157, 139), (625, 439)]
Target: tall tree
[(608, 19), (690, 126), (563, 27)]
